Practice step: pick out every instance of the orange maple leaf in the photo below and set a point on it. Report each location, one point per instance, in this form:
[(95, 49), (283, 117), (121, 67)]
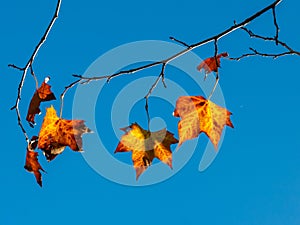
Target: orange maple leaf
[(56, 134), (200, 115), (210, 64), (42, 94), (32, 164), (145, 146)]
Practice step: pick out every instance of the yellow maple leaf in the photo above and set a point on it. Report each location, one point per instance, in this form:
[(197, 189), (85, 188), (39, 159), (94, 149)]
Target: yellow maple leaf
[(145, 146), (200, 115), (56, 134)]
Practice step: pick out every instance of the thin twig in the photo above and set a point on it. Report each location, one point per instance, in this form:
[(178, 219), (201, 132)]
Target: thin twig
[(34, 76), (215, 38), (188, 49), (217, 72), (215, 85), (161, 76), (268, 54), (109, 77), (180, 42), (15, 67), (276, 25), (265, 38), (242, 56), (216, 52), (62, 96), (29, 64)]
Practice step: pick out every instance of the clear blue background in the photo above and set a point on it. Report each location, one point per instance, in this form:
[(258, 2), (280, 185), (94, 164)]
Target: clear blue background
[(255, 178)]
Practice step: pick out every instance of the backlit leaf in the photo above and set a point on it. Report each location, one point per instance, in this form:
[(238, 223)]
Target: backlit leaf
[(32, 164), (200, 115), (145, 146), (56, 134), (210, 64), (42, 94)]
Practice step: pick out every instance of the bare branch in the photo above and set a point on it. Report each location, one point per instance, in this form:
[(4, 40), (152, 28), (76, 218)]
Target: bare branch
[(217, 72), (215, 85), (34, 76), (63, 95), (215, 38), (187, 49), (109, 77), (276, 25), (289, 51), (217, 66), (180, 42), (252, 35), (15, 67), (216, 52), (161, 76), (29, 65), (270, 55)]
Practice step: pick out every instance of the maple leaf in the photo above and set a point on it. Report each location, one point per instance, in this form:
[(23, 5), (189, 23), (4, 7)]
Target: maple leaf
[(32, 164), (42, 94), (145, 146), (200, 115), (57, 133), (210, 64)]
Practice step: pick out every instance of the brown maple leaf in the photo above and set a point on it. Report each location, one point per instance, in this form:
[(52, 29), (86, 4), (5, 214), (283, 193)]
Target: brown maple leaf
[(42, 94), (200, 115), (210, 64), (56, 134), (145, 146), (32, 164)]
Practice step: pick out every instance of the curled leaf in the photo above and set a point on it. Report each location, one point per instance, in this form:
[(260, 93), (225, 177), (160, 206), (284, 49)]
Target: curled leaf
[(145, 146), (200, 115), (56, 134), (32, 164), (42, 94), (212, 63)]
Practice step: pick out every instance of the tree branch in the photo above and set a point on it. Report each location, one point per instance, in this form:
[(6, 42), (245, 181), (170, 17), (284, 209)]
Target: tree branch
[(215, 38), (217, 72), (29, 65), (161, 76), (276, 25), (180, 42), (62, 96), (275, 39), (186, 50)]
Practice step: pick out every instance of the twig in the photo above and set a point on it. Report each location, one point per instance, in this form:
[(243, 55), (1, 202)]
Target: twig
[(109, 77), (161, 76), (34, 76), (29, 65), (180, 42), (186, 50), (272, 39), (217, 72), (62, 96), (276, 25), (15, 67), (215, 38), (255, 52)]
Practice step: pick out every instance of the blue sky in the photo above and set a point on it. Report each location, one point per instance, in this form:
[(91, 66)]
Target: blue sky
[(255, 177)]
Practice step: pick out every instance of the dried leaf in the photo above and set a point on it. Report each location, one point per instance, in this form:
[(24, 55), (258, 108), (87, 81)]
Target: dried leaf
[(32, 164), (56, 134), (200, 115), (145, 146), (42, 94), (210, 64)]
